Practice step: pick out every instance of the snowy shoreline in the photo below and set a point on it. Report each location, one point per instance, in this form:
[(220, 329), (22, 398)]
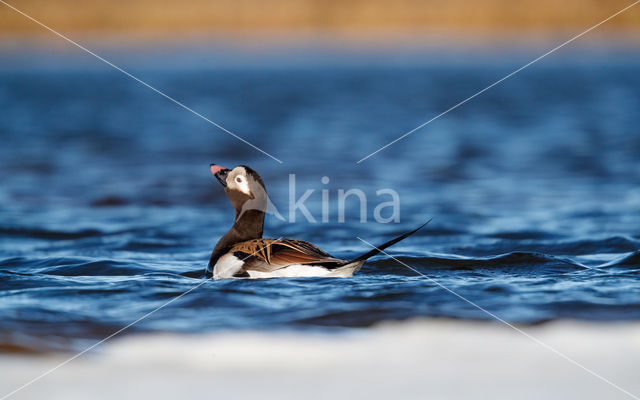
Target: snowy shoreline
[(441, 359)]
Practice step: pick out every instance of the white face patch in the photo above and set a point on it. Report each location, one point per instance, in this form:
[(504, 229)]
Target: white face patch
[(243, 184), (238, 180)]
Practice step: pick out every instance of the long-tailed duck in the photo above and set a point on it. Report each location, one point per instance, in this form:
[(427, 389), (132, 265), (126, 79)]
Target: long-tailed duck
[(243, 253)]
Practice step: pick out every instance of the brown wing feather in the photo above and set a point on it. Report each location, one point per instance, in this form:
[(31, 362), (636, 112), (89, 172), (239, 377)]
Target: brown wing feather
[(272, 254)]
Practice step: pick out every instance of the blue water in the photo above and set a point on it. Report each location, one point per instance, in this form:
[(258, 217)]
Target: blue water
[(108, 209)]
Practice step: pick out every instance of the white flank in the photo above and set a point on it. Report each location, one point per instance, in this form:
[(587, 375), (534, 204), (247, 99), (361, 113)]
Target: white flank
[(227, 266), (292, 271), (308, 271)]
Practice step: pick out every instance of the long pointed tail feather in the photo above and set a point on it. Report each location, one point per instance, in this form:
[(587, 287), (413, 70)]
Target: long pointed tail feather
[(383, 246)]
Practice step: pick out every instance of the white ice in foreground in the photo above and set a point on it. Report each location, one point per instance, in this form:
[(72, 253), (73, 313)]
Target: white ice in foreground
[(429, 359)]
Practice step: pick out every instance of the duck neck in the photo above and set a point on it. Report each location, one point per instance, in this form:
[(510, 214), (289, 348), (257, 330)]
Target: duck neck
[(248, 227)]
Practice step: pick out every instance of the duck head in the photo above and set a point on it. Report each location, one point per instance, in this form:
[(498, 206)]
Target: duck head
[(244, 188)]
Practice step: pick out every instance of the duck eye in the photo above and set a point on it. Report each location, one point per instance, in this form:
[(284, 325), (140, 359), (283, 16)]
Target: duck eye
[(239, 179)]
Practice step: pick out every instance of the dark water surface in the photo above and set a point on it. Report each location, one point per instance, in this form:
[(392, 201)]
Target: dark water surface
[(108, 209)]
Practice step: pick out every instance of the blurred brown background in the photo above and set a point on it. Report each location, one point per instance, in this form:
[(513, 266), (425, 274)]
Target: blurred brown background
[(164, 17)]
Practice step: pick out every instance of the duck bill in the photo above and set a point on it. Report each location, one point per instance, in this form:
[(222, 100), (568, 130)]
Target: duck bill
[(220, 173)]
